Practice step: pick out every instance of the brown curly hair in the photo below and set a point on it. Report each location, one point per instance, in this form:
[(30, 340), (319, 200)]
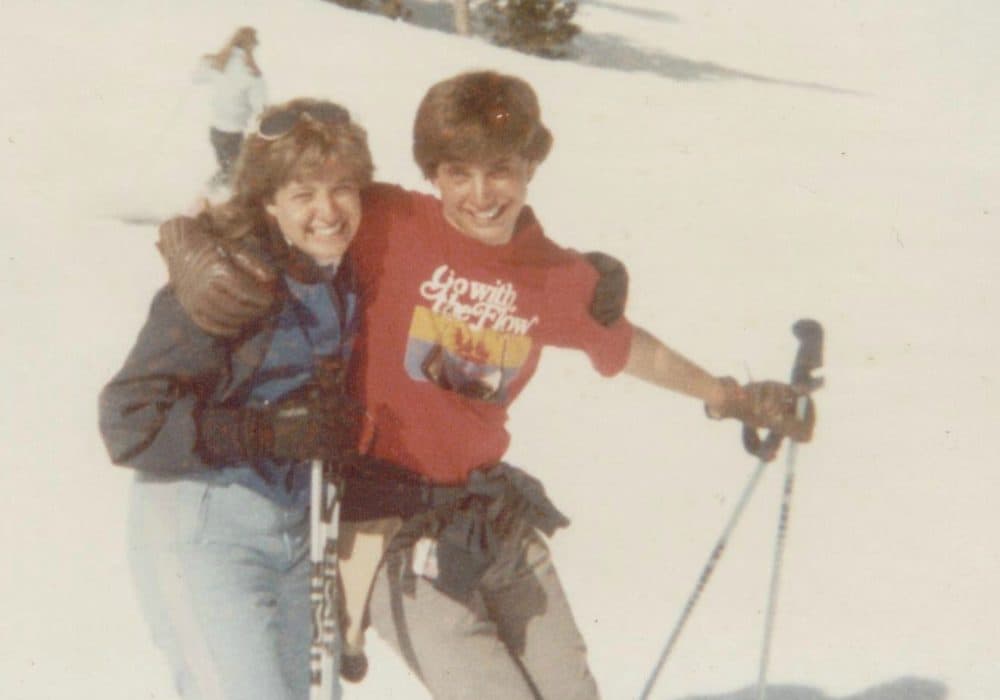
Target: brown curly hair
[(265, 165), (478, 116)]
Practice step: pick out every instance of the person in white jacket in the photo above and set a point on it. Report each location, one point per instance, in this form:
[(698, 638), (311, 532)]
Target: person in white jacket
[(239, 93)]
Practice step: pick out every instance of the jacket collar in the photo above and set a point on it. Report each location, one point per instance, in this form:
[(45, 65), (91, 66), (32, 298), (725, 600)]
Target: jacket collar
[(249, 350)]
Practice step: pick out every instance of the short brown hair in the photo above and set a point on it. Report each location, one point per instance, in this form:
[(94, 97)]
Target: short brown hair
[(478, 116), (265, 165)]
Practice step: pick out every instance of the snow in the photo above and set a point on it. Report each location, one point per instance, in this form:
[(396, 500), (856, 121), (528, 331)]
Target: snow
[(752, 163)]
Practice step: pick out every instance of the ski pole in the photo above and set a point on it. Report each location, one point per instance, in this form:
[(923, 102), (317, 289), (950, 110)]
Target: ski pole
[(779, 548), (323, 522), (808, 358), (706, 573)]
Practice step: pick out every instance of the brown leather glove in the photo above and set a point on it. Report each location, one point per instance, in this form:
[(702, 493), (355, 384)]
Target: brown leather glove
[(770, 405), (611, 291), (221, 287)]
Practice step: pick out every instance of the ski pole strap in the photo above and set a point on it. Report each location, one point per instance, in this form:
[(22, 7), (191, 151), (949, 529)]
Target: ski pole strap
[(808, 358), (764, 450)]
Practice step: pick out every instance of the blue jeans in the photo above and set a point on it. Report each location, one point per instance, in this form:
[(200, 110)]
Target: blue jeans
[(222, 574)]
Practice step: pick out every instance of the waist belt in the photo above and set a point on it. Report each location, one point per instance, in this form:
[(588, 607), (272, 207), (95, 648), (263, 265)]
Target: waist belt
[(374, 489), (493, 500), (470, 523)]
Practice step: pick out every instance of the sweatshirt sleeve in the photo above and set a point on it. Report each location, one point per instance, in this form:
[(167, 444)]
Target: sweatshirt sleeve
[(147, 412), (570, 291)]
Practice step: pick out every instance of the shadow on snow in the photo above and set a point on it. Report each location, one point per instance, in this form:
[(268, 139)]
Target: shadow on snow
[(614, 52), (907, 688), (641, 13)]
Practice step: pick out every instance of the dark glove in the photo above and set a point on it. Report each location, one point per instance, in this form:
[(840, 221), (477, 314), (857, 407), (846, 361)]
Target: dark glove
[(221, 287), (611, 292), (309, 423), (770, 405)]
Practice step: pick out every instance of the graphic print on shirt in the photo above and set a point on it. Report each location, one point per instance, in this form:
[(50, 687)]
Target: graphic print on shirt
[(468, 339)]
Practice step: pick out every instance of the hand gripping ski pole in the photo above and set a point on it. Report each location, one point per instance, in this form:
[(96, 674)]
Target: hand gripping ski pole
[(808, 357), (323, 521)]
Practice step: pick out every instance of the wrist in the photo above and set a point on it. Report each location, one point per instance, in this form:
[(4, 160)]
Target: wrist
[(718, 404)]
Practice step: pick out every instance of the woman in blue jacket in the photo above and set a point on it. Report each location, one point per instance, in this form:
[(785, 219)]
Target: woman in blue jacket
[(221, 431)]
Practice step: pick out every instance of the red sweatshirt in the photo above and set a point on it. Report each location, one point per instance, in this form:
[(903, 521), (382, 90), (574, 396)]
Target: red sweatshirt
[(452, 330)]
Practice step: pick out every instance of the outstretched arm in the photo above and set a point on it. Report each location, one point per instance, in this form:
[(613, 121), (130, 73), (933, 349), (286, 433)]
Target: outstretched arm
[(652, 361), (766, 404)]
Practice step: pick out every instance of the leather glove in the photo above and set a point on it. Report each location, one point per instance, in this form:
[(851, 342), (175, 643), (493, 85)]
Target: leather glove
[(220, 286), (309, 423), (770, 405), (611, 292), (312, 423)]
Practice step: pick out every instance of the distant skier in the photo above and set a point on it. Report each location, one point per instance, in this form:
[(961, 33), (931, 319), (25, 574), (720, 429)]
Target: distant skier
[(460, 295), (239, 93), (220, 432)]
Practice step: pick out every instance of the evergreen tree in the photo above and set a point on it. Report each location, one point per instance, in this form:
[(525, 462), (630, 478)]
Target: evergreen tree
[(541, 27)]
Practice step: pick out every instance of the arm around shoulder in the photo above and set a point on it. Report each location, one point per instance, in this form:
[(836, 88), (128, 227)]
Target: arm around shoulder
[(222, 285)]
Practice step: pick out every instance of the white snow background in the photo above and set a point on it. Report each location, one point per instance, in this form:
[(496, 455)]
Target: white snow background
[(752, 163)]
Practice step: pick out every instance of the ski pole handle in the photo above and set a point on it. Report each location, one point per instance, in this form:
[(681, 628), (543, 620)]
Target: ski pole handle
[(809, 357), (810, 354)]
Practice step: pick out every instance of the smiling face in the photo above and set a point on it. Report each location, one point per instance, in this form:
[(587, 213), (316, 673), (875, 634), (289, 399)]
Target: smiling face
[(484, 200), (320, 213)]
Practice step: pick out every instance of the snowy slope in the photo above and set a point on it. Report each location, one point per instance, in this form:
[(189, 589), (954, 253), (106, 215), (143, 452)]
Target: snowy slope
[(751, 162)]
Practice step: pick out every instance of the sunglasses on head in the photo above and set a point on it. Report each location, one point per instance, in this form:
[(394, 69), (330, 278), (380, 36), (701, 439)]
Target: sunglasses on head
[(277, 124)]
